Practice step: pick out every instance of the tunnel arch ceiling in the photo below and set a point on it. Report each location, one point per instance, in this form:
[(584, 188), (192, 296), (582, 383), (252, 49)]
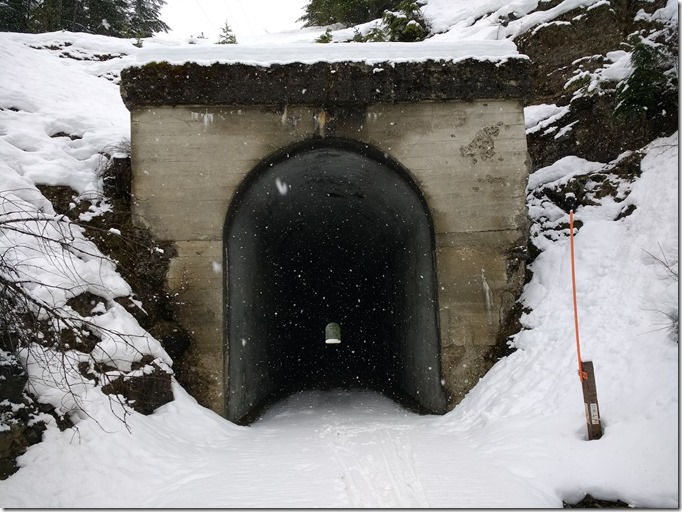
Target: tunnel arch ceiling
[(331, 230), (200, 128)]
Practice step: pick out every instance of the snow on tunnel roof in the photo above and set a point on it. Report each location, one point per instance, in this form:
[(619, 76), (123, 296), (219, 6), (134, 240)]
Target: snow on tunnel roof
[(326, 74), (369, 53)]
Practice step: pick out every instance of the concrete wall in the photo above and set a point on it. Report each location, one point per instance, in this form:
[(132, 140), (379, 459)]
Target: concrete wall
[(468, 158)]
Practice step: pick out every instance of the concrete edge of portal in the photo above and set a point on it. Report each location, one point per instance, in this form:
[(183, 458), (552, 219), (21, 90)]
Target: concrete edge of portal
[(324, 83)]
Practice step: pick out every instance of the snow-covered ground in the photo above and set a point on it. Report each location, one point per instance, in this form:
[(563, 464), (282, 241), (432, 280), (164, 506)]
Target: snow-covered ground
[(518, 439)]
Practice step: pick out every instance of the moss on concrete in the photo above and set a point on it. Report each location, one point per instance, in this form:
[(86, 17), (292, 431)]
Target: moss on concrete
[(323, 83)]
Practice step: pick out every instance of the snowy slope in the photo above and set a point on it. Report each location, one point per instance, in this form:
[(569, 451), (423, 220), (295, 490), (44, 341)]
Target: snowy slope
[(517, 439), (490, 19)]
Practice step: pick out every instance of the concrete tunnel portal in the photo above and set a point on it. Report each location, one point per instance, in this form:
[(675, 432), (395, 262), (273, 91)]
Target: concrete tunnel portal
[(330, 230)]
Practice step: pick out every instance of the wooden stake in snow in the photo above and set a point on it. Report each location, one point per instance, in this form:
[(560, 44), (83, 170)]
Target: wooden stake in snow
[(585, 369), (594, 430)]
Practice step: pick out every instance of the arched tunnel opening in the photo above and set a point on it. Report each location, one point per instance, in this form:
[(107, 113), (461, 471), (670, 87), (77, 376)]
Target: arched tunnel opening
[(330, 230)]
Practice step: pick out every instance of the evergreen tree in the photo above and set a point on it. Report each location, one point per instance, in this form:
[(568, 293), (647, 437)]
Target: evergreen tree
[(145, 20), (118, 18), (401, 20), (15, 15), (52, 15), (327, 37), (375, 35), (106, 17), (406, 24), (226, 35), (347, 12), (651, 91)]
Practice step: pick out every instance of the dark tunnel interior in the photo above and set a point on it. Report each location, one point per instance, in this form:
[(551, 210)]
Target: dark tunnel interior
[(330, 230)]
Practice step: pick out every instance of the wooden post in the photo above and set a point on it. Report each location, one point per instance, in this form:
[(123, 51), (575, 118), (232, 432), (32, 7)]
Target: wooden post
[(585, 369), (594, 430)]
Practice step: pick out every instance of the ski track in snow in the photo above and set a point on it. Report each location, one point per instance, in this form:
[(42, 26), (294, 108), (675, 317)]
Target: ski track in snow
[(378, 471)]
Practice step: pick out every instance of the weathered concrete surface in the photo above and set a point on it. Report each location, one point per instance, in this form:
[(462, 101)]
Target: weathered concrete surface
[(468, 159), (325, 84), (196, 276)]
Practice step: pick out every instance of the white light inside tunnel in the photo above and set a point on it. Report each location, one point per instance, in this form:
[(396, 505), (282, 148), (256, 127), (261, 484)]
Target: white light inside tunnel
[(332, 333)]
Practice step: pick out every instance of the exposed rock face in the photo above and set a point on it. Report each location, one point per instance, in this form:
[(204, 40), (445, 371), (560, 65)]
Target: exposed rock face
[(146, 388), (13, 443), (591, 502), (19, 427), (554, 48), (13, 378), (578, 43)]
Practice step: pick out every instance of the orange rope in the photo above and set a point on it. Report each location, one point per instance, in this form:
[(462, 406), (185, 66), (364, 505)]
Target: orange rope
[(581, 373)]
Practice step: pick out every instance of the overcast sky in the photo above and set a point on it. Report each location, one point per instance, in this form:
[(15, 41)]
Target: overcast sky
[(246, 17)]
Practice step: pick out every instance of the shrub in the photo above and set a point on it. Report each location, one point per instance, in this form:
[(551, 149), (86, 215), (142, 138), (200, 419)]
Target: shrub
[(650, 91), (326, 37)]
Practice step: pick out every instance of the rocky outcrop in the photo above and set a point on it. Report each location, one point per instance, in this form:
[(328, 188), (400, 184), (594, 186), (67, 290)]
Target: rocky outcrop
[(146, 388), (20, 426), (564, 54)]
